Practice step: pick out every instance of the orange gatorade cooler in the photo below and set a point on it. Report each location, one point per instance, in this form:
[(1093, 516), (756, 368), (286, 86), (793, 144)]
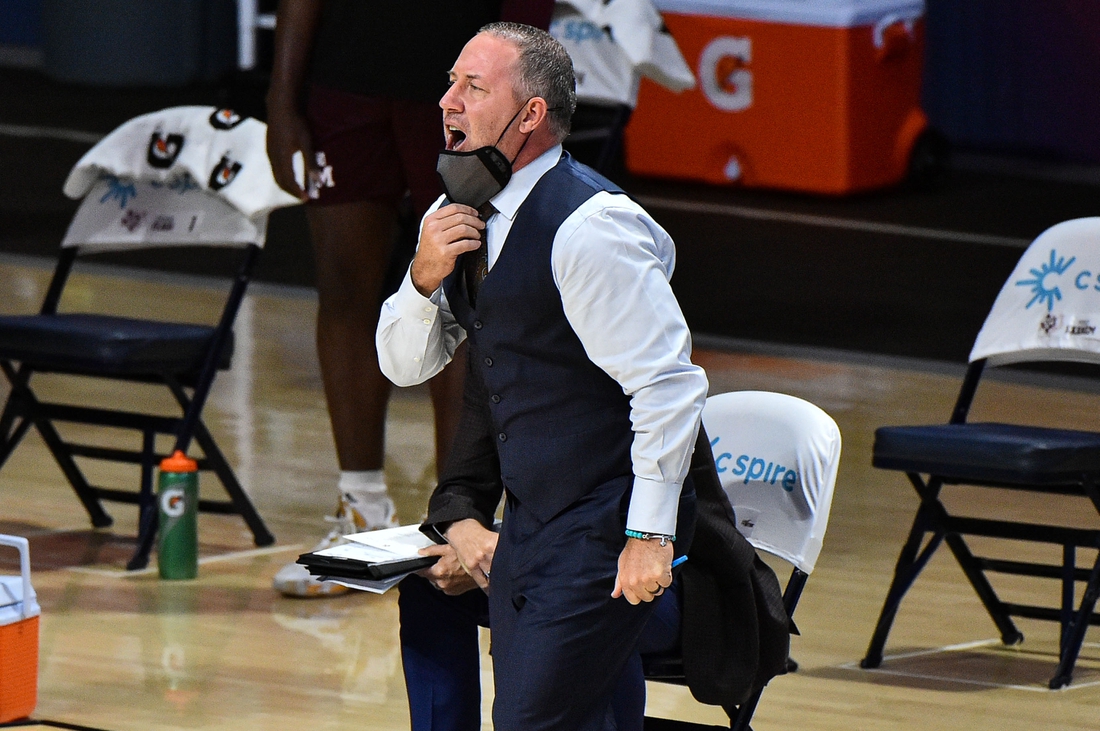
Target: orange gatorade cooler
[(811, 95), (18, 638)]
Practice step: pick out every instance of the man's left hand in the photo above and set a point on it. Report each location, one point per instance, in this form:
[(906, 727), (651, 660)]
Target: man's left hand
[(475, 545), (447, 574), (645, 570)]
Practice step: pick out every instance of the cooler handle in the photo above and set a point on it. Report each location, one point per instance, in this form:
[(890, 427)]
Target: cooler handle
[(30, 599), (907, 19)]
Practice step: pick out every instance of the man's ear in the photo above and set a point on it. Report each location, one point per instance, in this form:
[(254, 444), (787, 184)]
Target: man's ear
[(534, 115)]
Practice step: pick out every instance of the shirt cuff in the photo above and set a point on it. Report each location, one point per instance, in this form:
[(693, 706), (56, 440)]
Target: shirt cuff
[(408, 302), (653, 506)]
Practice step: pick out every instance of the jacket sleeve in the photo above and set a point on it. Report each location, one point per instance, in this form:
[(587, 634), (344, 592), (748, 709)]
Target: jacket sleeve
[(469, 484), (735, 629)]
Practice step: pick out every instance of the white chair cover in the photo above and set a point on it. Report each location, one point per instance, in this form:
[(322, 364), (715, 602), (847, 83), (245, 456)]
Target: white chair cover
[(124, 214), (777, 458), (609, 67), (1049, 309), (214, 149)]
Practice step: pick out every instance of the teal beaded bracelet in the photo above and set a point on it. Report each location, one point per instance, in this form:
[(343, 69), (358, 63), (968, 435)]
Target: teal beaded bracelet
[(665, 538)]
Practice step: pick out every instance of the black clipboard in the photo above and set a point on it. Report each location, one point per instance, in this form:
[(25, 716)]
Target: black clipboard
[(333, 567)]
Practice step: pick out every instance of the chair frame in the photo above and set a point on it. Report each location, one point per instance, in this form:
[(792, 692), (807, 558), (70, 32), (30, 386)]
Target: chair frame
[(670, 669), (24, 410), (741, 715), (933, 521), (609, 135)]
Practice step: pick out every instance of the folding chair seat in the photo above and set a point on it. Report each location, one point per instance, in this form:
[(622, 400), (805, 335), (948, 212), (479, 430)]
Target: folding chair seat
[(1042, 314), (189, 178), (105, 343), (777, 458)]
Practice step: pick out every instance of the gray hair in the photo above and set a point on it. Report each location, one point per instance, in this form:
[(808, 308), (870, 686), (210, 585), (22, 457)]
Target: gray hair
[(545, 70)]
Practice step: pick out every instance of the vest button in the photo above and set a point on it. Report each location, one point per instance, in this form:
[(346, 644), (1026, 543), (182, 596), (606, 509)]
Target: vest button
[(477, 325), (502, 437), (495, 398), (489, 362)]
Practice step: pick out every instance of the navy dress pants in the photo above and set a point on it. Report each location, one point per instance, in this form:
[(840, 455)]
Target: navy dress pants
[(441, 657), (578, 665)]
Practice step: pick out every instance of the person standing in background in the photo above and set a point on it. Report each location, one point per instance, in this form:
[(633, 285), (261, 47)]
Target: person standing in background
[(355, 88)]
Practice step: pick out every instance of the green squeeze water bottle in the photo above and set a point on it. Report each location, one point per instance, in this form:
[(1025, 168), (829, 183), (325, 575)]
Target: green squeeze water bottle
[(178, 535)]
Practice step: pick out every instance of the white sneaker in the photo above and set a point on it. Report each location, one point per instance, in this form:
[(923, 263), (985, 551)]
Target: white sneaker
[(354, 515)]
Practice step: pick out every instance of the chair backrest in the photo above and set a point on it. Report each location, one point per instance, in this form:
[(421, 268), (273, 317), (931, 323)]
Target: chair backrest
[(613, 43), (119, 214), (777, 458), (1049, 308), (213, 150)]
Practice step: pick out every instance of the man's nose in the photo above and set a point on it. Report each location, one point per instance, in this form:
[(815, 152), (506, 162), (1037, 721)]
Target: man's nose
[(450, 101)]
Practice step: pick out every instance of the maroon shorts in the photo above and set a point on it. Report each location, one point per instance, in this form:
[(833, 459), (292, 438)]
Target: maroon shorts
[(375, 148)]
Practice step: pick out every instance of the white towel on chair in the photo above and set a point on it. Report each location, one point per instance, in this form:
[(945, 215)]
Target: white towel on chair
[(218, 150), (609, 63)]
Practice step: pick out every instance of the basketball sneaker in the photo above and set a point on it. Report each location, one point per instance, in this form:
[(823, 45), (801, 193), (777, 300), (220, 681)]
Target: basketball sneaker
[(354, 515)]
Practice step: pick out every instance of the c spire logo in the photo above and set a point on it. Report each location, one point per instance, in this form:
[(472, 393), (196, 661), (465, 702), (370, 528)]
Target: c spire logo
[(1041, 288)]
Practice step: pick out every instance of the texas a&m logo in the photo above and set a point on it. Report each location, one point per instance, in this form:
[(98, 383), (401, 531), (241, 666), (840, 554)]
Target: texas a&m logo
[(225, 119), (224, 173), (163, 149)]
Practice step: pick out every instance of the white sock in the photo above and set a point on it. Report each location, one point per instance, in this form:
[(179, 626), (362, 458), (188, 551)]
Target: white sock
[(362, 487), (365, 491)]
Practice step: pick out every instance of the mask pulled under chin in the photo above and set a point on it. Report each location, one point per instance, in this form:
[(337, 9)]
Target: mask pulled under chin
[(473, 178)]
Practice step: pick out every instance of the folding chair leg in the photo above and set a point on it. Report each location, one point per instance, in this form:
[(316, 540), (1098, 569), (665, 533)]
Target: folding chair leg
[(261, 536), (148, 513), (99, 517), (11, 438), (1074, 635), (911, 561), (14, 423), (739, 721), (1010, 635)]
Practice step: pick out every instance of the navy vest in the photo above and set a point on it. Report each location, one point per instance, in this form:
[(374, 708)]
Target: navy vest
[(563, 425)]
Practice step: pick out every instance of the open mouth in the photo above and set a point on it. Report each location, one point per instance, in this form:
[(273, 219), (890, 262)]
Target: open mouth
[(455, 137)]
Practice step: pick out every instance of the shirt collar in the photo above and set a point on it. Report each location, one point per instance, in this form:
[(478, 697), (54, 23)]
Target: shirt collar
[(508, 201)]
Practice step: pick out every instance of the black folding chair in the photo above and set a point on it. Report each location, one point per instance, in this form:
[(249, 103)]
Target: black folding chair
[(597, 135), (126, 214), (1041, 314), (777, 458)]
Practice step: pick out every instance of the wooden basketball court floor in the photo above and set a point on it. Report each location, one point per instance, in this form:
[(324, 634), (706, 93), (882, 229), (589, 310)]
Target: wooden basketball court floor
[(127, 652)]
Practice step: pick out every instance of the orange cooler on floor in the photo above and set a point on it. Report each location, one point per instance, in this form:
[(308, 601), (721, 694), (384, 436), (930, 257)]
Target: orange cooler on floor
[(811, 95), (18, 638)]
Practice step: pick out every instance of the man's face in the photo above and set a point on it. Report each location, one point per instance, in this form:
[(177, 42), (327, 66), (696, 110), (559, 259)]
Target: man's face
[(481, 102)]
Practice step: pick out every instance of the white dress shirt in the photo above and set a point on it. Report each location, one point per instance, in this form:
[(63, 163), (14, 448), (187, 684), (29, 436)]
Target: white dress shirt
[(611, 263)]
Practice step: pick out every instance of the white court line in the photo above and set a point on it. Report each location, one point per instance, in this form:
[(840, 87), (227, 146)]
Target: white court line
[(949, 679), (850, 224), (50, 133), (234, 556)]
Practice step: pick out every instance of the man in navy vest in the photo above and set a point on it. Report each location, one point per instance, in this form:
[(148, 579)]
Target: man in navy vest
[(560, 284)]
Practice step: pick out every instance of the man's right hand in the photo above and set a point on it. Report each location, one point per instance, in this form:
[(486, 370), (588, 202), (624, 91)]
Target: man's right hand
[(446, 234), (287, 133)]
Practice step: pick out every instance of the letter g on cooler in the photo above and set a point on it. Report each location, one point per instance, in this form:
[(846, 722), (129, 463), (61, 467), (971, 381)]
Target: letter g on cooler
[(723, 76)]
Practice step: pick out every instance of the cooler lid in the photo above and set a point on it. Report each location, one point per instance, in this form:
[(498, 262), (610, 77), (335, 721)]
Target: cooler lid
[(827, 13)]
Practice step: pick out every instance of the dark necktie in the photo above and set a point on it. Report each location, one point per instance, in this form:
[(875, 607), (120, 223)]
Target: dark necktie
[(476, 263)]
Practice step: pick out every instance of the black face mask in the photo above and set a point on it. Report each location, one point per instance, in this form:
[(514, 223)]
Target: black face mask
[(473, 178)]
